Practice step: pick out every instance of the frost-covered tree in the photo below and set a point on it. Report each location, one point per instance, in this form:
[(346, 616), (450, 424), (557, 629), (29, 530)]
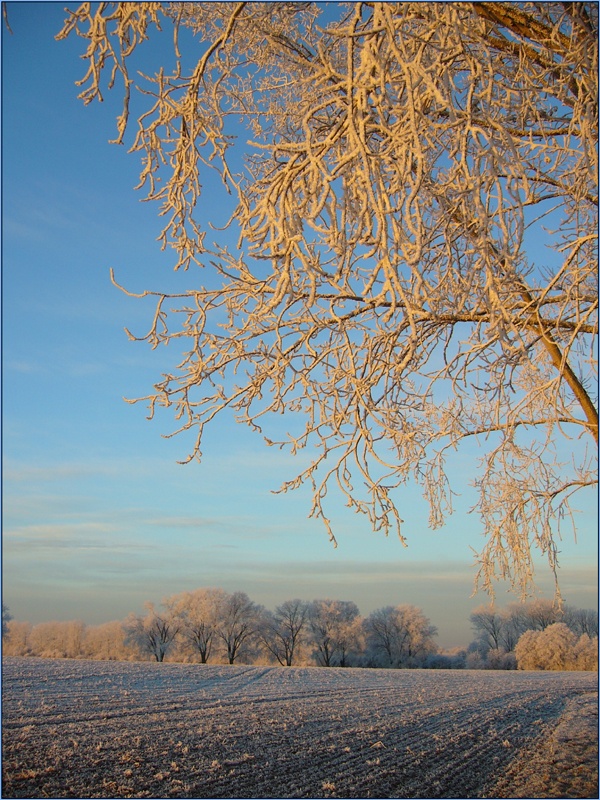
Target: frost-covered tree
[(499, 658), (238, 624), (410, 262), (499, 630), (199, 612), (282, 631), (75, 631), (349, 637), (556, 647), (16, 642), (526, 651), (585, 653), (152, 633), (335, 632), (57, 639), (400, 636), (106, 642)]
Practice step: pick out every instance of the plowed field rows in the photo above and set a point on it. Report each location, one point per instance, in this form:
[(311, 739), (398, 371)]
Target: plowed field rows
[(106, 729)]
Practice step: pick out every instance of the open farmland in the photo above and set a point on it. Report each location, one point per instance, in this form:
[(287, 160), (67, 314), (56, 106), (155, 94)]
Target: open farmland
[(109, 729)]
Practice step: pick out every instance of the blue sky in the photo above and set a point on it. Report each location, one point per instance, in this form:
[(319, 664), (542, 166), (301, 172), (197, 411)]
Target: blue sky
[(97, 515)]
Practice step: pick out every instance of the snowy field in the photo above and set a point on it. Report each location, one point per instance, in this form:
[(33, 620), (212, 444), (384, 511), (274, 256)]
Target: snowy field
[(109, 729)]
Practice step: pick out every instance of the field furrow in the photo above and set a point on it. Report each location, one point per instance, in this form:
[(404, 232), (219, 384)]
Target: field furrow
[(108, 729)]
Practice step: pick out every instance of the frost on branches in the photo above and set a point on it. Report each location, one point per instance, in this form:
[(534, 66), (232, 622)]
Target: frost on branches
[(413, 192), (557, 648)]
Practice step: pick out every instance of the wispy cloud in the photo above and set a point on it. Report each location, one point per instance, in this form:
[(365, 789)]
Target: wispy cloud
[(29, 473), (182, 522), (18, 230), (50, 538), (25, 367), (59, 365), (83, 369), (44, 469)]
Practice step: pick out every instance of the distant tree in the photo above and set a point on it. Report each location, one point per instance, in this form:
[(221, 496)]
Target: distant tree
[(526, 651), (499, 632), (511, 630), (57, 639), (153, 633), (199, 612), (401, 635), (46, 640), (456, 658), (499, 658), (400, 162), (556, 647), (539, 614), (335, 631), (581, 620), (238, 624), (382, 634), (475, 659), (16, 642), (350, 635), (6, 617), (106, 642), (75, 634), (489, 626), (497, 629), (586, 653), (282, 631)]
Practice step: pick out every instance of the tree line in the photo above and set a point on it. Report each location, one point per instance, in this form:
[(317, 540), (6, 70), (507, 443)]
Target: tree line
[(210, 625), (535, 635)]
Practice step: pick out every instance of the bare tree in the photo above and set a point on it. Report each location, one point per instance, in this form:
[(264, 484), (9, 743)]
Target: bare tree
[(416, 217), (383, 634), (238, 623), (282, 631), (488, 624), (581, 620), (335, 628), (511, 628), (537, 615), (153, 633), (402, 635), (199, 613)]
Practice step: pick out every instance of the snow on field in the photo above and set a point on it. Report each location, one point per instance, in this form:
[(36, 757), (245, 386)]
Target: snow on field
[(109, 729)]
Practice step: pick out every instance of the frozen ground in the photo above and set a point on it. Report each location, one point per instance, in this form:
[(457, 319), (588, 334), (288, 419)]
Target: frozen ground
[(108, 729)]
